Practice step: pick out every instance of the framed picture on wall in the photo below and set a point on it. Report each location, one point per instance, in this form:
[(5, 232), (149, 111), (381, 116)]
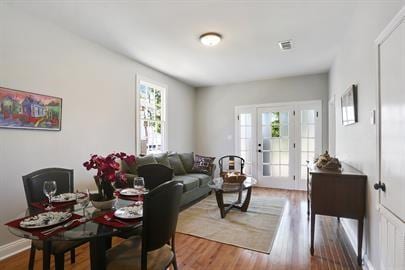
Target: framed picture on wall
[(349, 106), (26, 110)]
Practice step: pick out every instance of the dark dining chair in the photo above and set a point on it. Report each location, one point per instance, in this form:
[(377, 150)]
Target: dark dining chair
[(33, 183), (155, 175), (231, 163), (156, 248)]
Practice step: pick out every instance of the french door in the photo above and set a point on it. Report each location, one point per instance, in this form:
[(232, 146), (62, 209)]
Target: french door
[(275, 147), (277, 140)]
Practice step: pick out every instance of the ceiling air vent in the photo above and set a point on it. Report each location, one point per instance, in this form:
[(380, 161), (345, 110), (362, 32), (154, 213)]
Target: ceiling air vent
[(285, 45)]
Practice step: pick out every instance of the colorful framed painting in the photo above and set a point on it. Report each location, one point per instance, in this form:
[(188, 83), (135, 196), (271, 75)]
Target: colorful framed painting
[(25, 110)]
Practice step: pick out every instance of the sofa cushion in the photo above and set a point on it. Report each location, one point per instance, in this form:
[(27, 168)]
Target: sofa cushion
[(176, 164), (163, 158), (203, 164), (140, 161), (202, 178), (188, 161), (189, 182)]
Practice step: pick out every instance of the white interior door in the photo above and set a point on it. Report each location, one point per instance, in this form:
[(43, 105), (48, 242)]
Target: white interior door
[(392, 121), (276, 141)]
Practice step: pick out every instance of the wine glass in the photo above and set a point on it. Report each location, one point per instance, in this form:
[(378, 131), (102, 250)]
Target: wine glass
[(139, 184), (83, 200), (49, 188)]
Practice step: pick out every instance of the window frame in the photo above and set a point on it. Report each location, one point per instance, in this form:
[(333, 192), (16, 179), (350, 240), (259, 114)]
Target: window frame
[(141, 80)]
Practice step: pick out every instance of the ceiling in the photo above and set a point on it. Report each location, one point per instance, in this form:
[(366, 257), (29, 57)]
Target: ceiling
[(164, 34)]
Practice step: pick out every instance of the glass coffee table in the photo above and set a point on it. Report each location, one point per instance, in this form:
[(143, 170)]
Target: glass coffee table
[(220, 188)]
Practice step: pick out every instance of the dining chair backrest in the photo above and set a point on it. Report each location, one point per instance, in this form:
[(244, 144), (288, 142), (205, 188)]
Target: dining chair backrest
[(160, 211), (155, 174), (33, 183), (231, 163)]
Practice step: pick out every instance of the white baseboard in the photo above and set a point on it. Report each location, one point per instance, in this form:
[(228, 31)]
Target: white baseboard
[(353, 241), (15, 247)]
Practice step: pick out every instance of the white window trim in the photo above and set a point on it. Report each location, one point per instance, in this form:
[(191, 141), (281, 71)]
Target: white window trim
[(164, 89)]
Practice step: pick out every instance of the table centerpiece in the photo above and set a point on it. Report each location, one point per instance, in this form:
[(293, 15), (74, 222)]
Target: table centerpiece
[(107, 174)]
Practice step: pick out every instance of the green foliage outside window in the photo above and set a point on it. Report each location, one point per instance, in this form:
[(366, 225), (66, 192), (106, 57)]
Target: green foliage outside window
[(275, 125)]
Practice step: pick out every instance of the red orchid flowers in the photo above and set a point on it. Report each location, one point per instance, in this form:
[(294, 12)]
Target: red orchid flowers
[(107, 166)]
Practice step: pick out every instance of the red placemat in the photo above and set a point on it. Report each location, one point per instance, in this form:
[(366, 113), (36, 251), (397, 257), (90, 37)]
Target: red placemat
[(56, 205), (116, 222), (129, 198), (38, 232), (60, 205)]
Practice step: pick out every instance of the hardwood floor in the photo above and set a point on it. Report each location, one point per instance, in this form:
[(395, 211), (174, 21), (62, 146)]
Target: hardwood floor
[(290, 249)]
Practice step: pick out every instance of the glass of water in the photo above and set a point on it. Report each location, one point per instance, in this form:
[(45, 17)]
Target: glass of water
[(49, 188), (83, 200), (139, 184)]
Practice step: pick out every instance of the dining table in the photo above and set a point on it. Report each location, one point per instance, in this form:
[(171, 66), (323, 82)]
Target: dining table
[(98, 234)]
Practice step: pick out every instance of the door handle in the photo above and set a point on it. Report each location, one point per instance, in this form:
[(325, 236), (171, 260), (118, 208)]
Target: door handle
[(259, 151), (379, 185), (259, 144)]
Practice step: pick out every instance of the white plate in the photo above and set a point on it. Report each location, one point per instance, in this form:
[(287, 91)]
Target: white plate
[(45, 219), (129, 212), (66, 197), (130, 192)]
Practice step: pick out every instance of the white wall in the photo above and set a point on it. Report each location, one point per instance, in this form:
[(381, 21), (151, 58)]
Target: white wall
[(98, 91), (356, 144), (216, 107)]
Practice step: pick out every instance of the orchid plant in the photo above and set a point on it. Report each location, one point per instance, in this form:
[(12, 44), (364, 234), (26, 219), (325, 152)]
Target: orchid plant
[(107, 168)]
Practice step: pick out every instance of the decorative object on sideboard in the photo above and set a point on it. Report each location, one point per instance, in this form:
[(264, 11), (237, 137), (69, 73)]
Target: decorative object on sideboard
[(25, 110), (107, 174), (325, 161), (349, 106)]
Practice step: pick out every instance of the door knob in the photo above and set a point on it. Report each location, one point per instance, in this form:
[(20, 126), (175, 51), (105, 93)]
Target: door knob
[(259, 144), (379, 185), (259, 151)]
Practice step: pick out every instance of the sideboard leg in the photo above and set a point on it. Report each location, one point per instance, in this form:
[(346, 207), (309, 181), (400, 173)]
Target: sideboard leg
[(359, 241), (312, 231)]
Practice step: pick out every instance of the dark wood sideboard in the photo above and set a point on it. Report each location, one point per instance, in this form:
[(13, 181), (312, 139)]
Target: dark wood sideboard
[(338, 194)]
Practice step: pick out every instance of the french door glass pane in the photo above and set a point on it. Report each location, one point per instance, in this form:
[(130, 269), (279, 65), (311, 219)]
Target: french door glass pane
[(246, 132), (266, 157), (245, 119), (266, 170)]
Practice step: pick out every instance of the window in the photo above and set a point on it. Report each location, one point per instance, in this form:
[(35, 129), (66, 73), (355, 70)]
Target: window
[(151, 128)]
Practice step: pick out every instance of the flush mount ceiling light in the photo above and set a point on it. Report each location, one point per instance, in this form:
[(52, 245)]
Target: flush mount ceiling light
[(210, 39)]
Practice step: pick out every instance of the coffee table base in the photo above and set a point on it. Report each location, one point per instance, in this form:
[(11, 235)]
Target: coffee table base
[(224, 208)]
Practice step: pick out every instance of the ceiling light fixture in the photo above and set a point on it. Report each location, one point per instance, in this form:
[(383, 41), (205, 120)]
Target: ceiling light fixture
[(210, 39)]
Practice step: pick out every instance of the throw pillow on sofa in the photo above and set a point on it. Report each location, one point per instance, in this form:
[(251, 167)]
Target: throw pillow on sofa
[(188, 161), (163, 158), (140, 161), (176, 164), (203, 164)]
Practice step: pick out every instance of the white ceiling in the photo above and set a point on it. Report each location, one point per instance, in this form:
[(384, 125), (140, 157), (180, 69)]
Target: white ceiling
[(164, 34)]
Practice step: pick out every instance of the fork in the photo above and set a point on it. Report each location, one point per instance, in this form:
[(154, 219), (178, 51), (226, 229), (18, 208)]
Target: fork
[(63, 226), (108, 218)]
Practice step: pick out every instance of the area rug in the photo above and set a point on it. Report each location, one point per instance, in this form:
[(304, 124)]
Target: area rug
[(254, 229)]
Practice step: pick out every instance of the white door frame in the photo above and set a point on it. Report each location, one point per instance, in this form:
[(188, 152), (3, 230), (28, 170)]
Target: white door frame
[(254, 108), (332, 126)]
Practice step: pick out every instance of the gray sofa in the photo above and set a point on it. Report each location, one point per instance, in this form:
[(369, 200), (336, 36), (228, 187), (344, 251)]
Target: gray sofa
[(195, 184)]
